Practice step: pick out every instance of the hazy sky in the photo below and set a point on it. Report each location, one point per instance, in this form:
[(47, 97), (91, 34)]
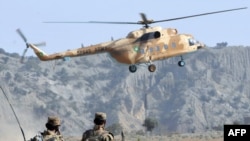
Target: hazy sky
[(29, 15)]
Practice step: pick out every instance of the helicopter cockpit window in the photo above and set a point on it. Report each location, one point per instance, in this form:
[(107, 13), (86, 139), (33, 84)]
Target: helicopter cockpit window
[(192, 42)]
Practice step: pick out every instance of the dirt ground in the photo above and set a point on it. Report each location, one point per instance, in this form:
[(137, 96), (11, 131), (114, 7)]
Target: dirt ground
[(213, 136)]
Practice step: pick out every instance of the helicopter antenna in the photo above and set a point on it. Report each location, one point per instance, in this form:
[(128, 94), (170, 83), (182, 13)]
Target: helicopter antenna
[(27, 44), (147, 22), (13, 113)]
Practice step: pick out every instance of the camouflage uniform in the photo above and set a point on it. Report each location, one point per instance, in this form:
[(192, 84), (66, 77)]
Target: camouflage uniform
[(98, 133), (50, 135)]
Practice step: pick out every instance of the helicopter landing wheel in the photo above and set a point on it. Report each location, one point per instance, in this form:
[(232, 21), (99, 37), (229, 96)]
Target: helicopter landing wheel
[(132, 68), (151, 67), (181, 63)]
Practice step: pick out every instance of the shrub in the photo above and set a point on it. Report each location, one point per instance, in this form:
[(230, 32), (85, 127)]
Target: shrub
[(150, 124)]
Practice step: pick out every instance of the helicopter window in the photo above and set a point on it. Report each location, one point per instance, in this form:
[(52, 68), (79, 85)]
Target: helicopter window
[(157, 48), (173, 44), (142, 51), (192, 42), (166, 46), (151, 49)]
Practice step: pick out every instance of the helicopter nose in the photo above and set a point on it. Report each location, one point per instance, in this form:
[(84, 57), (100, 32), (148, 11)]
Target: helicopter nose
[(201, 46)]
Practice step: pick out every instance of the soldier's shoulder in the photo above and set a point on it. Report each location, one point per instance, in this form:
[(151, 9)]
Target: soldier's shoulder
[(88, 132), (37, 137)]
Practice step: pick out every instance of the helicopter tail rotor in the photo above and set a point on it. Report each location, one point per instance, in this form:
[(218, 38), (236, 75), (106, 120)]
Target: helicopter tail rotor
[(20, 33), (24, 52)]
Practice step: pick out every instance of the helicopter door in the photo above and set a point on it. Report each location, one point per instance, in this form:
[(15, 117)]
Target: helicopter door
[(148, 53), (144, 51)]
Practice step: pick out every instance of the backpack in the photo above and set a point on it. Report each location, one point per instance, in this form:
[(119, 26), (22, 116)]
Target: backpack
[(92, 136), (52, 138), (40, 137)]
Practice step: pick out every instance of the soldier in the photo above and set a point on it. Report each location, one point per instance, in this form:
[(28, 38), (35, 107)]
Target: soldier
[(52, 133), (98, 133)]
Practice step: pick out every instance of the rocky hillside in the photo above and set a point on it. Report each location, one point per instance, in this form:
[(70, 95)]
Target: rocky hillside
[(210, 91)]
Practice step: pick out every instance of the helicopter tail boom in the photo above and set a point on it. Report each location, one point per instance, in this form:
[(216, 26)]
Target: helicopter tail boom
[(83, 51)]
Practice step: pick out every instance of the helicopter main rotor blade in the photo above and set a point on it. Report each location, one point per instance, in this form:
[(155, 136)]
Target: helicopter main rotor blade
[(144, 18), (203, 14), (98, 22), (145, 21), (21, 34)]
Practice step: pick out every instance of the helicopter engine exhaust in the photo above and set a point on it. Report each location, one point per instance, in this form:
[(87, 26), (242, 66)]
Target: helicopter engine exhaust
[(157, 34)]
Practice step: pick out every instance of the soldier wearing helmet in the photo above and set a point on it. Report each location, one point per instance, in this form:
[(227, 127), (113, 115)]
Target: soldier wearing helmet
[(98, 133), (52, 133)]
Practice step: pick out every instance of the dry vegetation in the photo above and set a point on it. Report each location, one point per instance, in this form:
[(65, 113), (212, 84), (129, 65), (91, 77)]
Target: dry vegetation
[(209, 136)]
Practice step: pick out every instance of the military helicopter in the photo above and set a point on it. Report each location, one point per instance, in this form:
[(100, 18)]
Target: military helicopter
[(144, 45)]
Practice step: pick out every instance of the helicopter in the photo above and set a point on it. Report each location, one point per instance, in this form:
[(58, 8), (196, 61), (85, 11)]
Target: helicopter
[(142, 46)]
